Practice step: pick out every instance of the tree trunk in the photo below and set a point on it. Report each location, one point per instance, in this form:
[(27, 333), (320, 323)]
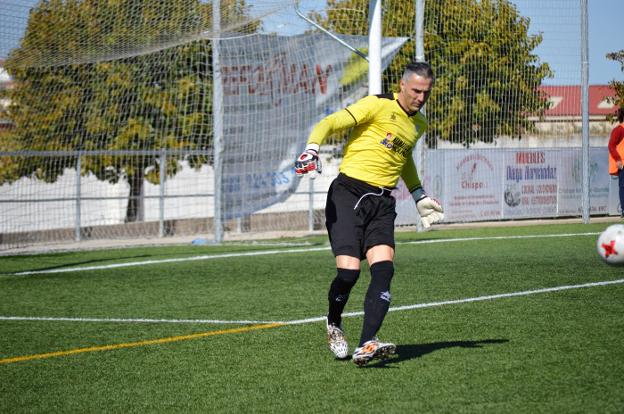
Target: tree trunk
[(134, 212)]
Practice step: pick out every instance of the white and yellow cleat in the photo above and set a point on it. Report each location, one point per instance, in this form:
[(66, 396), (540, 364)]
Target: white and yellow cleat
[(337, 341), (373, 349)]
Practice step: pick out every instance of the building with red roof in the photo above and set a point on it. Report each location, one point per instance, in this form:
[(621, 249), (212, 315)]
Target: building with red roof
[(565, 113), (565, 101)]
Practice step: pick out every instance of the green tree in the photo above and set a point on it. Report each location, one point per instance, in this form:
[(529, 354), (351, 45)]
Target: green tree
[(482, 54), (106, 75), (618, 86)]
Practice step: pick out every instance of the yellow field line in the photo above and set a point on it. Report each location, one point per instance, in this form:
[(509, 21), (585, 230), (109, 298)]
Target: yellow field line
[(139, 343)]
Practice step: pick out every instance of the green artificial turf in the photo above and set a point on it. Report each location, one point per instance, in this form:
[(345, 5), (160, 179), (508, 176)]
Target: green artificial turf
[(492, 320)]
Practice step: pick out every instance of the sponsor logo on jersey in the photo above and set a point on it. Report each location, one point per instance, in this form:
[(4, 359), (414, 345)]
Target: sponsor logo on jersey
[(396, 144)]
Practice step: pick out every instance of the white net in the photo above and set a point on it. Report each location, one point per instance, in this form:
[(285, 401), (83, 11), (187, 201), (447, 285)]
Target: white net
[(145, 119), (135, 119), (506, 129)]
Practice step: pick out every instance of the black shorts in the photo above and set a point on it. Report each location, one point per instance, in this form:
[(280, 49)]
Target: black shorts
[(358, 216)]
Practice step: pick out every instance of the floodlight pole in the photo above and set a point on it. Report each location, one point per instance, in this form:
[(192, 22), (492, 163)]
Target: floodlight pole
[(585, 204), (374, 47)]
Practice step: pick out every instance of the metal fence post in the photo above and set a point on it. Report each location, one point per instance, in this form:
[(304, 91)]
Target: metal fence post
[(217, 114), (585, 204), (161, 195), (311, 204), (78, 195)]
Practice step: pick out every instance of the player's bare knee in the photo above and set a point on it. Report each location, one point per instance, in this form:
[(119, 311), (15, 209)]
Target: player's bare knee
[(347, 262)]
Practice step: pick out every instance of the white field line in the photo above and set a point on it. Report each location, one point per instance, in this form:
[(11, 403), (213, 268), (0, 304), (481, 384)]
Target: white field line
[(319, 318), (528, 236), (270, 252), (175, 260)]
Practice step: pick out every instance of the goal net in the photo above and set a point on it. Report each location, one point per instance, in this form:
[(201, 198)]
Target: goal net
[(133, 119), (506, 136)]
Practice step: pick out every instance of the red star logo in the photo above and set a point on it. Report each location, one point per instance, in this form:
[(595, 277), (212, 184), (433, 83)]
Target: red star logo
[(609, 248)]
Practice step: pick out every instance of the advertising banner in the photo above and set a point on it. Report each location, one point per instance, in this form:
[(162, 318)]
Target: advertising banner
[(275, 89), (472, 183), (530, 186), (570, 187), (500, 184)]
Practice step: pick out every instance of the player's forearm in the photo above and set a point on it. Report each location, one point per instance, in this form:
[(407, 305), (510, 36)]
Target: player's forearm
[(329, 125), (410, 175)]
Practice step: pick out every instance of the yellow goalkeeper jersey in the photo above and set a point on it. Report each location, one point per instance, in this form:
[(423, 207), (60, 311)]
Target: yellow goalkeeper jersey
[(379, 149)]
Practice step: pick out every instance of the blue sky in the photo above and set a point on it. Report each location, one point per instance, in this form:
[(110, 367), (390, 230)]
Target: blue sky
[(559, 23), (555, 19), (561, 44), (605, 35)]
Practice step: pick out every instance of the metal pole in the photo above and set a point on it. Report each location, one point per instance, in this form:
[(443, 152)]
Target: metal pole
[(311, 205), (585, 111), (217, 114), (420, 150), (328, 33), (78, 195), (161, 196), (374, 47), (419, 24), (420, 30)]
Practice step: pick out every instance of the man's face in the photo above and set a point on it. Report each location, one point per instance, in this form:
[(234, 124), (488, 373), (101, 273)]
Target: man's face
[(414, 92)]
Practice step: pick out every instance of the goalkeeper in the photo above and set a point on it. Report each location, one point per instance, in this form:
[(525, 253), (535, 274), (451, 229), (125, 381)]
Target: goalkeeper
[(360, 211)]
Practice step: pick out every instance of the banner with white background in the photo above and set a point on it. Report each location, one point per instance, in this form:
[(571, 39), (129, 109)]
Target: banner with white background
[(500, 184)]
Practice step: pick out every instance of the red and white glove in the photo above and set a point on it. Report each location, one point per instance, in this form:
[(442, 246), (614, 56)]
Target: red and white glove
[(308, 161), (429, 209)]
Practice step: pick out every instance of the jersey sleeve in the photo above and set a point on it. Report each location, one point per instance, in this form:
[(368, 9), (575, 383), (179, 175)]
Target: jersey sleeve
[(352, 115), (410, 175)]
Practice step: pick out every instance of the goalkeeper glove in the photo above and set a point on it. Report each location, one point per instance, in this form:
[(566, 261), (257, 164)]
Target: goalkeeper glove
[(429, 209), (308, 161)]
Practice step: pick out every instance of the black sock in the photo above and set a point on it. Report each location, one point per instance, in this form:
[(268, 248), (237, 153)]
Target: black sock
[(377, 299), (339, 293)]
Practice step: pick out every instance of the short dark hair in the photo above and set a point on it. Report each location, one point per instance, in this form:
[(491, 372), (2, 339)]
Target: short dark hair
[(620, 114), (419, 68)]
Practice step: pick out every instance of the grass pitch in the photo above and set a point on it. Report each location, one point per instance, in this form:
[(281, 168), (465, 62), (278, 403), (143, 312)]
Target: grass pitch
[(517, 319)]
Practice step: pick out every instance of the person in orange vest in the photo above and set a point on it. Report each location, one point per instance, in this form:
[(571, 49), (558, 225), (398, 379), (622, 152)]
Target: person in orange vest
[(616, 155)]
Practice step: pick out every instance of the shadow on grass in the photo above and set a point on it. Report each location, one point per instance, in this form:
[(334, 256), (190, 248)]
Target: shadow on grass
[(407, 352)]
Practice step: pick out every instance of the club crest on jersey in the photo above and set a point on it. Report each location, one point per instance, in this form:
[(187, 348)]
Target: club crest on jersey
[(396, 144), (393, 116)]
